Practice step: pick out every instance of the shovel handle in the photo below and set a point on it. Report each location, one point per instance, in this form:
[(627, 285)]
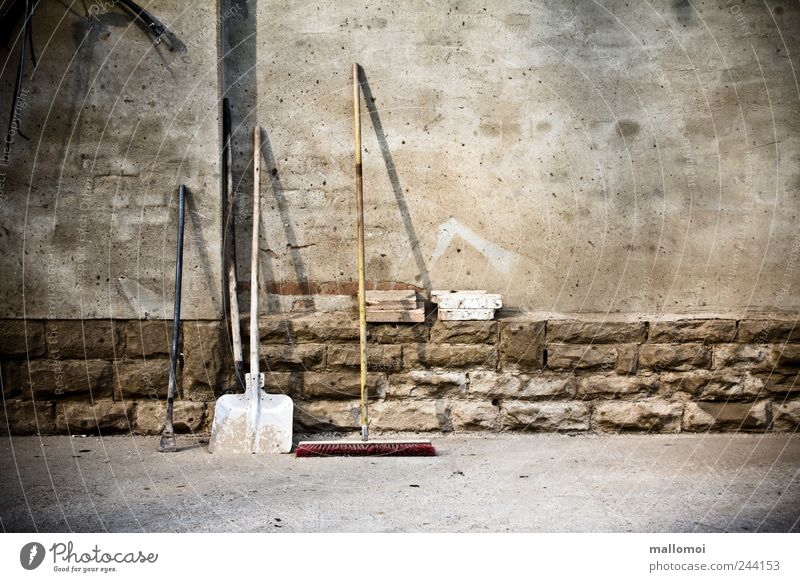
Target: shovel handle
[(254, 339)]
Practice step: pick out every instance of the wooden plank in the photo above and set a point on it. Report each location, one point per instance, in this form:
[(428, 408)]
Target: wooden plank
[(396, 315), (394, 300), (465, 314)]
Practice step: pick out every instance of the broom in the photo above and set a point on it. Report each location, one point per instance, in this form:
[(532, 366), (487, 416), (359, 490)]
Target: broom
[(364, 447)]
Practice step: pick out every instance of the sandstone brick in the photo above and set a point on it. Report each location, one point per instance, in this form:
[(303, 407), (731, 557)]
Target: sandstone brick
[(581, 357), (55, 379), (326, 415), (733, 387), (404, 415), (522, 344), (746, 357), (102, 416), (653, 415), (594, 332), (137, 378), (380, 358), (789, 357), (320, 327), (708, 385), (464, 332), (449, 356), (426, 384), (208, 362), (615, 386), (521, 386), (187, 417), (786, 416), (89, 338), (760, 331), (22, 417), (298, 357), (678, 357), (545, 416), (702, 416), (289, 383), (780, 384), (395, 333), (344, 384), (627, 358), (149, 338), (466, 416), (20, 338), (692, 330), (12, 374)]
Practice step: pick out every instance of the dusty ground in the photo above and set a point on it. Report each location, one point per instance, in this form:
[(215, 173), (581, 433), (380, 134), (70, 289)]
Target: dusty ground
[(477, 483)]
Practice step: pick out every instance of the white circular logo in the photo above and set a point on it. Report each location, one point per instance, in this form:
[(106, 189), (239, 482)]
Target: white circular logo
[(31, 555)]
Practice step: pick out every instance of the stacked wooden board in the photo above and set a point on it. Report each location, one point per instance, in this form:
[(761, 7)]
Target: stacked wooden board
[(400, 306), (466, 305)]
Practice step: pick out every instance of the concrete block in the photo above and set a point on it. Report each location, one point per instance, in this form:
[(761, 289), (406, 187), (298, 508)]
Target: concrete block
[(102, 416), (678, 357), (545, 416), (22, 417), (759, 331), (299, 357), (594, 332), (341, 385), (616, 386), (57, 379), (467, 415), (449, 356), (565, 357), (651, 416), (380, 358), (21, 338), (693, 330), (137, 378), (464, 332), (734, 416), (427, 384), (522, 344)]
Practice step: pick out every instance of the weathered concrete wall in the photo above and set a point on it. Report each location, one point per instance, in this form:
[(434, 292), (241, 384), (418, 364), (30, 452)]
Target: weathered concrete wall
[(574, 156), (89, 207)]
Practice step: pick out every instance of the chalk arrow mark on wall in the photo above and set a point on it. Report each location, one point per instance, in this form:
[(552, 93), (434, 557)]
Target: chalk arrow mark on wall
[(500, 258)]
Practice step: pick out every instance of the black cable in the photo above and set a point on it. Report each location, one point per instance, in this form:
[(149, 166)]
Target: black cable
[(156, 28)]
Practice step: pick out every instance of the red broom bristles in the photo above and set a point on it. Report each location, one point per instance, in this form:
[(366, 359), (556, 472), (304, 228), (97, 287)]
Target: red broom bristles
[(365, 449)]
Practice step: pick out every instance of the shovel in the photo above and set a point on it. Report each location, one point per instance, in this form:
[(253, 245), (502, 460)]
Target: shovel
[(253, 422)]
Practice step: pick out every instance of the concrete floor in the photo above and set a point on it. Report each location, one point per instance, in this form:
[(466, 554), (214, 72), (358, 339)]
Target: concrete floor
[(650, 483)]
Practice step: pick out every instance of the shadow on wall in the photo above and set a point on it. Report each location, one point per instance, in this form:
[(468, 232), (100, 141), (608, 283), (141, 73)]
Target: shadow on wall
[(391, 170), (280, 200)]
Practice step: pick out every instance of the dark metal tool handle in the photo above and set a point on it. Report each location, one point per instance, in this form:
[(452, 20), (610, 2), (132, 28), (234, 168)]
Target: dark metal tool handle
[(168, 436)]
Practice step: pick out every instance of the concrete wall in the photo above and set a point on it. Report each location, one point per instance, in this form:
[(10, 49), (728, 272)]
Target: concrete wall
[(574, 156), (89, 207)]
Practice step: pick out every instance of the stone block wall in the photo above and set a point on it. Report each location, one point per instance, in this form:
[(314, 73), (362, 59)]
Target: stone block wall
[(514, 374)]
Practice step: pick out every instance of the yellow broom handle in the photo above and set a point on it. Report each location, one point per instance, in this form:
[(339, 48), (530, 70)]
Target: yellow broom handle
[(362, 304)]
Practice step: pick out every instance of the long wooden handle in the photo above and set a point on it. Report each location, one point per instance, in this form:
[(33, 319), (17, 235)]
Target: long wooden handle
[(254, 372), (362, 303), (229, 242)]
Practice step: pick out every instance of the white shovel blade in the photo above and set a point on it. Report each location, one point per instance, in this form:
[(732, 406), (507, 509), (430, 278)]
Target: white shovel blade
[(230, 433)]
